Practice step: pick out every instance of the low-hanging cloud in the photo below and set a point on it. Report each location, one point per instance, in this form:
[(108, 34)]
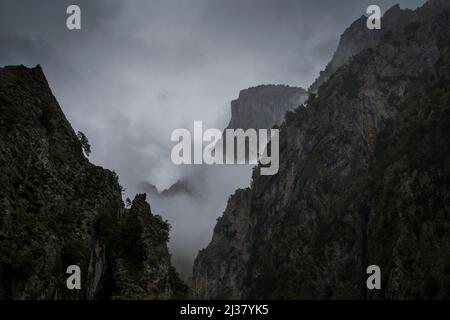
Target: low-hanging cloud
[(139, 69)]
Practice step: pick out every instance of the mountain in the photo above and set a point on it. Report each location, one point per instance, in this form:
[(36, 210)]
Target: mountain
[(264, 106), (261, 107), (57, 209), (363, 180), (358, 38), (181, 187)]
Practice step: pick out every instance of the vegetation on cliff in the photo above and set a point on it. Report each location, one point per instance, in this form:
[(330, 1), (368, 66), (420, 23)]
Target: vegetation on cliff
[(57, 209)]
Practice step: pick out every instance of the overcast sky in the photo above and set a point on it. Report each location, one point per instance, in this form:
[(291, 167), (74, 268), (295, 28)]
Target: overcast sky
[(139, 69)]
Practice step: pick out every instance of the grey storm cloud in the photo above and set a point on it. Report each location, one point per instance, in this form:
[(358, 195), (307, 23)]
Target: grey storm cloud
[(139, 69)]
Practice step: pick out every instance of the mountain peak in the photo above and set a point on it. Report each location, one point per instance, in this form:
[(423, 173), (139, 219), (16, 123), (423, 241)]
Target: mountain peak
[(264, 106)]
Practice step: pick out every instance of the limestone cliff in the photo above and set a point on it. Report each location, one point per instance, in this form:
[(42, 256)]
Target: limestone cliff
[(361, 182), (264, 106), (261, 107)]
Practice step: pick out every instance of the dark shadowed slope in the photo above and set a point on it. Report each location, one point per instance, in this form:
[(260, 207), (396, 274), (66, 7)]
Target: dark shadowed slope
[(57, 209)]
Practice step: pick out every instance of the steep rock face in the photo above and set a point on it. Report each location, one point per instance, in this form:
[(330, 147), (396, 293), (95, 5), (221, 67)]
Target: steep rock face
[(220, 269), (311, 230), (264, 106), (56, 208), (409, 225), (261, 107), (358, 37), (141, 265)]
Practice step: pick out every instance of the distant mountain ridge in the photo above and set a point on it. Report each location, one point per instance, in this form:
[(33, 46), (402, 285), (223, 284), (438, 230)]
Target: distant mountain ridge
[(181, 187)]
